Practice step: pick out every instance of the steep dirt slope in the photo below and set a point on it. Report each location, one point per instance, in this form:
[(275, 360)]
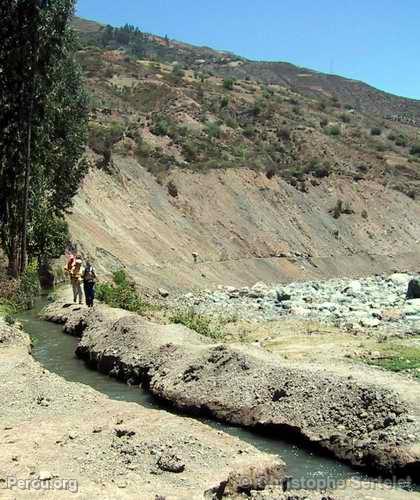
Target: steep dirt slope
[(244, 227)]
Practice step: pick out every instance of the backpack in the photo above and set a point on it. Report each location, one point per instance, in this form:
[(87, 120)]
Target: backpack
[(89, 274)]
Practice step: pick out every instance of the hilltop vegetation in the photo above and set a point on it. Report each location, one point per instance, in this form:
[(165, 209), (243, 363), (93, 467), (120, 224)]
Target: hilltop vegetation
[(170, 114)]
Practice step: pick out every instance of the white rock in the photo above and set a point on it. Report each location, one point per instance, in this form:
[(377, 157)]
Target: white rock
[(44, 475), (399, 279), (370, 323)]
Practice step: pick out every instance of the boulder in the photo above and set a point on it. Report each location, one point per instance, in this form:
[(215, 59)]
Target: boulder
[(370, 322), (399, 279), (170, 462), (413, 291), (353, 289), (163, 293), (282, 295)]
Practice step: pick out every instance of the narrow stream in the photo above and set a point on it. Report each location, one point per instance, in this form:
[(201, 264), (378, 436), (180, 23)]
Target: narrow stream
[(55, 351)]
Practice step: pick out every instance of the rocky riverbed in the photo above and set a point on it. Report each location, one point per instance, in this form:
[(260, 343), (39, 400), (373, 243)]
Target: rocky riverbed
[(368, 303)]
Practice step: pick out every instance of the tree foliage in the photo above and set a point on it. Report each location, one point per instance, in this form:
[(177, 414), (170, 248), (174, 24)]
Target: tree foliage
[(43, 110)]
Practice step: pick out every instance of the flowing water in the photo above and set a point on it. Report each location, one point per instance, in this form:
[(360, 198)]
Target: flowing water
[(55, 351)]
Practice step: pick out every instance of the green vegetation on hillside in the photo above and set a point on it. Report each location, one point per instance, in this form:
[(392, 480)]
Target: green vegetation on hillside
[(183, 115)]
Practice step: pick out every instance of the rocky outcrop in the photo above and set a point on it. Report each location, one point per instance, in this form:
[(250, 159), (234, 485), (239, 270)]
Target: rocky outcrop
[(364, 424), (67, 440)]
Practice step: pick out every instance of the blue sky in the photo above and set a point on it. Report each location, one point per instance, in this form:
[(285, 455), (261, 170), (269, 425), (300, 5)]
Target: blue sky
[(376, 41)]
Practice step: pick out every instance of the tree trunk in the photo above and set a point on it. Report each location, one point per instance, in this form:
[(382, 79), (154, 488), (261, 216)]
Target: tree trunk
[(13, 258), (24, 242)]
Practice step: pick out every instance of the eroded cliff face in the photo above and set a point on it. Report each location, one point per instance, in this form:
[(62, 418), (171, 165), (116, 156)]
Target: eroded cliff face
[(243, 226)]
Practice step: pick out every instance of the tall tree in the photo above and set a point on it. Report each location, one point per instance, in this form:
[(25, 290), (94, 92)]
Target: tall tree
[(43, 117)]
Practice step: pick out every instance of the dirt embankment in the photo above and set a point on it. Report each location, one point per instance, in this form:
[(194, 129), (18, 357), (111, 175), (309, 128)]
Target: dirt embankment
[(56, 434), (243, 226), (365, 424)]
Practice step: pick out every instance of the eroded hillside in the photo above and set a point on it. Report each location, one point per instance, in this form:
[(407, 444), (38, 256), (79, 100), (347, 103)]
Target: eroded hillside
[(261, 181)]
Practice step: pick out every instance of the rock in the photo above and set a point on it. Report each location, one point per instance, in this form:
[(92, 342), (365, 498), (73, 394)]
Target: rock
[(370, 323), (258, 291), (44, 475), (255, 478), (391, 315), (399, 279), (282, 295), (353, 289), (169, 462), (413, 291), (163, 293)]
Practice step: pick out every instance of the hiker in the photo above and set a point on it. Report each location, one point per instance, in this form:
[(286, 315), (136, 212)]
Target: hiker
[(89, 280), (69, 264), (76, 279)]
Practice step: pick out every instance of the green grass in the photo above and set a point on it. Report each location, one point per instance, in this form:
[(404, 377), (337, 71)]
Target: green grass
[(400, 359), (122, 294), (204, 325)]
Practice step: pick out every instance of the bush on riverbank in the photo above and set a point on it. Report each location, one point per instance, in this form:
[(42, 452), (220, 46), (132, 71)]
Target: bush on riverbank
[(19, 294), (204, 325), (121, 293)]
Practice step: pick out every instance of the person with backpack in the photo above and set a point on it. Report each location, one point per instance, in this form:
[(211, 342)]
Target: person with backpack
[(89, 280), (76, 272)]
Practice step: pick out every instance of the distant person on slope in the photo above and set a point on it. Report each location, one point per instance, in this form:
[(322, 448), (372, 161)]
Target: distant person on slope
[(76, 279), (89, 280)]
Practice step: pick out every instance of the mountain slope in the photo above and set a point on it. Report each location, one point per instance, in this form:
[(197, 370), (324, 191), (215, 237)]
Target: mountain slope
[(352, 93), (262, 181)]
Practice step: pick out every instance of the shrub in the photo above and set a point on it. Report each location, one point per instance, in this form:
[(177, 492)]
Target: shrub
[(197, 322), (364, 214), (401, 141), (334, 131), (213, 130), (161, 127), (270, 172), (29, 287), (121, 293), (321, 171), (347, 208), (338, 209), (345, 118), (415, 150), (228, 83), (324, 122), (172, 189), (284, 134), (375, 131), (9, 319), (249, 131), (224, 103), (103, 137), (177, 74), (392, 137)]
